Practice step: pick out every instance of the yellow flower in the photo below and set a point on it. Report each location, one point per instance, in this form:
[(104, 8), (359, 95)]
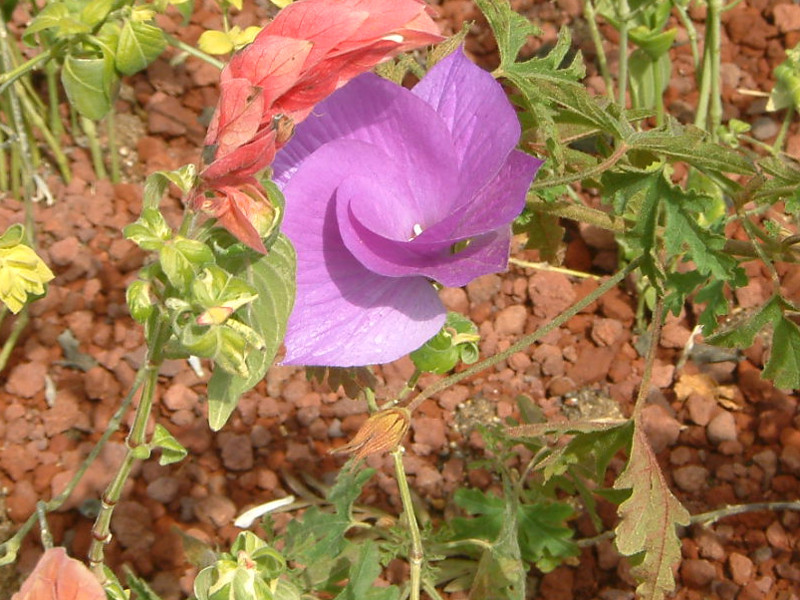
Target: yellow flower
[(22, 273)]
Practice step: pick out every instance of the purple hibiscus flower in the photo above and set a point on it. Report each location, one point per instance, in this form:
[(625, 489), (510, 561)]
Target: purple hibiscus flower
[(387, 189)]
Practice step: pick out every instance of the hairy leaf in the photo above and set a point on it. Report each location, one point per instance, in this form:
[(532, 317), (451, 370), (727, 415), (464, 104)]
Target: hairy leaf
[(272, 275), (783, 366), (648, 518), (362, 575)]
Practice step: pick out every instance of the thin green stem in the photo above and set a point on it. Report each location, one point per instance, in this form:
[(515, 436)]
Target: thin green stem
[(136, 447), (658, 85), (56, 124), (691, 32), (415, 552), (650, 359), (11, 341), (50, 139), (9, 548), (624, 14), (602, 62), (598, 169), (704, 93), (7, 78), (173, 41), (95, 150), (44, 529), (714, 44), (780, 140), (111, 131), (527, 340)]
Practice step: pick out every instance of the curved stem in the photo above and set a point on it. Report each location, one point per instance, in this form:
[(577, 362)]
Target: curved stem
[(173, 41), (16, 331), (598, 169), (527, 340)]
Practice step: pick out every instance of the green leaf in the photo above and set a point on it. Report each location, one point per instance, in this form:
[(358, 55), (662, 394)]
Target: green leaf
[(182, 258), (156, 184), (96, 11), (150, 230), (273, 276), (544, 233), (543, 538), (783, 366), (362, 575), (55, 15), (741, 334), (443, 351), (139, 586), (689, 144), (511, 30), (90, 85), (501, 573), (648, 521), (139, 303), (171, 449), (139, 45)]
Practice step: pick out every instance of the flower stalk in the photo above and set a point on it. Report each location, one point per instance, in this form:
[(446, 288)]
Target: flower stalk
[(415, 553), (137, 449)]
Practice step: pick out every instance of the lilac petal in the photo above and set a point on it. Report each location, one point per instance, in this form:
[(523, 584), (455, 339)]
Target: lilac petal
[(484, 222), (405, 128), (476, 110), (346, 315), (498, 202)]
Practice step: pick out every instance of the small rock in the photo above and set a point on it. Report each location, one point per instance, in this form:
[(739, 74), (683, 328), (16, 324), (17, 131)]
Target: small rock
[(64, 251), (764, 128), (21, 502), (551, 293), (483, 289), (605, 332), (551, 360), (237, 451), (164, 489), (709, 546), (454, 299), (132, 525), (721, 428), (100, 384), (777, 538), (662, 429), (430, 435), (66, 414), (697, 572), (215, 510), (17, 461), (26, 380), (700, 408), (756, 590), (787, 17), (691, 478), (741, 568), (179, 397), (511, 320)]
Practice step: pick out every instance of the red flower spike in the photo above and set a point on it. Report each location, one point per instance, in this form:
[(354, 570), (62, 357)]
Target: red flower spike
[(308, 51), (59, 577), (241, 207)]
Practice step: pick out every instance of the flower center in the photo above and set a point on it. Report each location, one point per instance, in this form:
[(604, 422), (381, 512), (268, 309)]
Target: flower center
[(415, 231)]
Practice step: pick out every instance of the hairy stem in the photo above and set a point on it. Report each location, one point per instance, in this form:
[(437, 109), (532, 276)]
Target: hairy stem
[(527, 340), (650, 359), (624, 14), (415, 553), (95, 150), (136, 449), (598, 169), (597, 40), (16, 331)]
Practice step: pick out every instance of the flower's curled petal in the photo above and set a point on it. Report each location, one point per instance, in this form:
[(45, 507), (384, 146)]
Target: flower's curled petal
[(346, 315)]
